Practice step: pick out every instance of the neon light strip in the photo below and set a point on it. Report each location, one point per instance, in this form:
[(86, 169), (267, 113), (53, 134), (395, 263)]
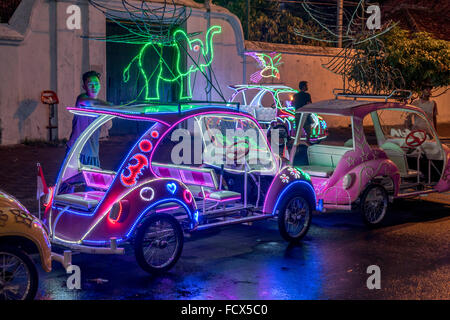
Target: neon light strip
[(240, 116), (123, 196), (119, 115), (287, 188)]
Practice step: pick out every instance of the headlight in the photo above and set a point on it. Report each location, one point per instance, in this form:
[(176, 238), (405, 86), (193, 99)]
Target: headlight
[(348, 180)]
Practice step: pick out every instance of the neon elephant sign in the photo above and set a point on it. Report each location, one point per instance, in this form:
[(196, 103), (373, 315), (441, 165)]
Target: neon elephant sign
[(164, 73)]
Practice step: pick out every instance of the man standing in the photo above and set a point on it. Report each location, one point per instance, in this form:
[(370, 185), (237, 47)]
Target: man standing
[(428, 106), (91, 85), (300, 99)]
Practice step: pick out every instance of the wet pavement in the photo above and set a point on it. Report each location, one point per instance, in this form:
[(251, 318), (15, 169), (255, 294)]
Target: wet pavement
[(253, 262)]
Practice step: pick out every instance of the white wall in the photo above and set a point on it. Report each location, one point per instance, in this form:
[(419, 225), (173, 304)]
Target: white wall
[(38, 52)]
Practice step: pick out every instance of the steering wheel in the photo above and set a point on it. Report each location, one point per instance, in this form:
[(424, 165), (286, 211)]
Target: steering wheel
[(237, 154), (413, 140)]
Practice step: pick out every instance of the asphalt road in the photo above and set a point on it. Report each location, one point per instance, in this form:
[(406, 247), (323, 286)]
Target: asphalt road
[(253, 262)]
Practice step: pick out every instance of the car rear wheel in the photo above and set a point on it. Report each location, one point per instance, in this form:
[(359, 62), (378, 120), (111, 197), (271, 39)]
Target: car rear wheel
[(294, 218), (158, 243), (18, 275), (373, 205)]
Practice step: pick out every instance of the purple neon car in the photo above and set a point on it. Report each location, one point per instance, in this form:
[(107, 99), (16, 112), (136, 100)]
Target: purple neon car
[(192, 168)]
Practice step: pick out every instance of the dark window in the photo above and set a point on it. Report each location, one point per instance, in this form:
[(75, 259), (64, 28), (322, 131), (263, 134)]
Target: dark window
[(7, 8)]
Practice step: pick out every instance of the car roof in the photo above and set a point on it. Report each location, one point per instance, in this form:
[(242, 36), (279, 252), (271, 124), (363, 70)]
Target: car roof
[(352, 107), (162, 113), (267, 87)]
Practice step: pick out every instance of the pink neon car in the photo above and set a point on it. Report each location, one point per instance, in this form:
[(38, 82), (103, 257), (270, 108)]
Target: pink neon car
[(375, 152), (183, 173)]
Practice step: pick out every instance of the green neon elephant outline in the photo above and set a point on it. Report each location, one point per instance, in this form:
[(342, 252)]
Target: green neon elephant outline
[(179, 35)]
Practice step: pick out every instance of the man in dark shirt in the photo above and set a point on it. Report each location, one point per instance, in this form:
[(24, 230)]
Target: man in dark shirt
[(300, 99)]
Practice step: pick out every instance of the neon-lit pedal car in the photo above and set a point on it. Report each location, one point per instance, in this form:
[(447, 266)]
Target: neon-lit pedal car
[(375, 152), (271, 106), (21, 234), (153, 198)]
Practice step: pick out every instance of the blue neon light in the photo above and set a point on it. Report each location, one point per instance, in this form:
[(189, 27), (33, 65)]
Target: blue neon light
[(153, 205), (172, 187), (287, 188)]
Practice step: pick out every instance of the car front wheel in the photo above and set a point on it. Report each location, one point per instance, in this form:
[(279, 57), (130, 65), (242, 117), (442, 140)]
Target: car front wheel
[(294, 218)]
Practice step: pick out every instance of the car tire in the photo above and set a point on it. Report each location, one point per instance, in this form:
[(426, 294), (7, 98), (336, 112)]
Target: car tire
[(143, 243), (288, 218), (373, 205), (10, 255)]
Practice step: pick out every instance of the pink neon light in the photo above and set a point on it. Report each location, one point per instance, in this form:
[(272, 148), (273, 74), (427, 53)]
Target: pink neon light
[(187, 195), (119, 115), (114, 221), (145, 145), (268, 192), (167, 209), (200, 114)]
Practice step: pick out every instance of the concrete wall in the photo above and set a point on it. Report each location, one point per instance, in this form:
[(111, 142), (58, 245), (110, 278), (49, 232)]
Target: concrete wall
[(38, 52)]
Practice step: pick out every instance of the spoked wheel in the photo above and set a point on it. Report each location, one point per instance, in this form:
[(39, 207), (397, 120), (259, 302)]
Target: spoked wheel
[(374, 203), (294, 218), (159, 242), (18, 275)]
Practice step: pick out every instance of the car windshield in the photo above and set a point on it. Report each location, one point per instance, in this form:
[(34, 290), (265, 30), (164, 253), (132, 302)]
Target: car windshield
[(396, 124), (235, 142), (286, 98)]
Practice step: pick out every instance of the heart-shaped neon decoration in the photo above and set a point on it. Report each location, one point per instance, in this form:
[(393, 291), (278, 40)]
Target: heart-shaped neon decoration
[(187, 195), (172, 187), (147, 194)]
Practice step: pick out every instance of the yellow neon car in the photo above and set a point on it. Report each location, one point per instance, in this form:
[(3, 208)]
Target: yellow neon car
[(21, 234)]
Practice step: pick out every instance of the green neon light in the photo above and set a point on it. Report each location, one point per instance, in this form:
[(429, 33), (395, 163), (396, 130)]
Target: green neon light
[(304, 174), (178, 74)]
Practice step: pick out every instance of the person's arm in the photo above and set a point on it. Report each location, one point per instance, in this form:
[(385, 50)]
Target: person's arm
[(84, 101)]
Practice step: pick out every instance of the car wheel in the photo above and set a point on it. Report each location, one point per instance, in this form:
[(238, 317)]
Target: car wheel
[(18, 275), (294, 218), (158, 243), (373, 205)]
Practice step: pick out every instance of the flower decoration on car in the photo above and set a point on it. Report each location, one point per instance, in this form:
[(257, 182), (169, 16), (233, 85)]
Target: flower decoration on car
[(284, 178), (22, 217), (295, 173)]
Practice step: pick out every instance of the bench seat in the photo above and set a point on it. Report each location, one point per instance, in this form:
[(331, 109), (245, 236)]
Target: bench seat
[(323, 159), (80, 200)]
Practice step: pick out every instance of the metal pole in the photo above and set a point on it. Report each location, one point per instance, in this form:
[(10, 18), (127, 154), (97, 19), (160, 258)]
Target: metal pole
[(248, 19), (340, 11)]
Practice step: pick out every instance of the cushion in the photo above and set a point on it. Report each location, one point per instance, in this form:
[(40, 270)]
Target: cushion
[(224, 195), (82, 200)]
